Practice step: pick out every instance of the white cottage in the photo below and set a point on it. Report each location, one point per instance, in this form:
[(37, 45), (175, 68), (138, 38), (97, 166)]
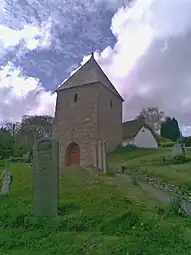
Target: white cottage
[(138, 133)]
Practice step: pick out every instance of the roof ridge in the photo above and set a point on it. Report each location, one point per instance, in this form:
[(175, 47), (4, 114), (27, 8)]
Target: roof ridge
[(106, 76), (88, 73), (59, 88), (135, 120)]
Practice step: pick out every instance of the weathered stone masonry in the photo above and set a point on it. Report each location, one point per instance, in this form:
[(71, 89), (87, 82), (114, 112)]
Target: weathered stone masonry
[(88, 109)]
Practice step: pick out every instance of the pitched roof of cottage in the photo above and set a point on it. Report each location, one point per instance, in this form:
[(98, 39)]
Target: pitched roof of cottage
[(89, 73), (131, 128)]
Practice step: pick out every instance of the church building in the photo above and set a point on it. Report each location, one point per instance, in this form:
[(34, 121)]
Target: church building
[(88, 110)]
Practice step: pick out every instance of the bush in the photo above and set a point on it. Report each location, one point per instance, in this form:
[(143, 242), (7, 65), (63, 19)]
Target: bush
[(178, 159), (16, 159), (123, 168), (187, 141), (181, 159), (131, 147), (2, 163), (176, 207), (127, 148), (166, 144)]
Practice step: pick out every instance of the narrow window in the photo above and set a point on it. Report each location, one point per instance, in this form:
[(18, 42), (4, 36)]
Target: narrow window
[(75, 97), (111, 103)]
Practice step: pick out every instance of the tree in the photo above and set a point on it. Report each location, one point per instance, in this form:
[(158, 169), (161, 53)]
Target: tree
[(31, 125), (170, 129), (153, 117), (13, 128), (42, 125), (6, 143), (175, 130), (18, 138), (187, 141)]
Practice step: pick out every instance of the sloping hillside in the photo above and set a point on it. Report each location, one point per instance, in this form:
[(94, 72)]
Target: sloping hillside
[(98, 215), (150, 162)]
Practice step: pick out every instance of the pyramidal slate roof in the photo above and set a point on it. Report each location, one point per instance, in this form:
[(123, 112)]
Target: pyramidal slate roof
[(89, 73), (131, 128)]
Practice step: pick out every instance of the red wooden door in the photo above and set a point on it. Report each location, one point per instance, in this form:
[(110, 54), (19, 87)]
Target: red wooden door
[(74, 155)]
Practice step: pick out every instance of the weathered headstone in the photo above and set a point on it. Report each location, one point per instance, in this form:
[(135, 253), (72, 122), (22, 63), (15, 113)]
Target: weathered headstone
[(6, 178), (176, 149), (46, 177)]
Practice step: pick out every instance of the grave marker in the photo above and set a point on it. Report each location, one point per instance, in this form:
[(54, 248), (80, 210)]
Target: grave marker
[(176, 149), (46, 177), (6, 181)]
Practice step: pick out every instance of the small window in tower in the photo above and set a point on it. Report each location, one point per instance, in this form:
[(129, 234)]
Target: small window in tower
[(76, 97), (111, 103)]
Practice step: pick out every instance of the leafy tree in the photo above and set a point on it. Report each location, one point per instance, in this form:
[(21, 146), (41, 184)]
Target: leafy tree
[(153, 117), (14, 130), (175, 129), (170, 129), (17, 138), (41, 126), (6, 143)]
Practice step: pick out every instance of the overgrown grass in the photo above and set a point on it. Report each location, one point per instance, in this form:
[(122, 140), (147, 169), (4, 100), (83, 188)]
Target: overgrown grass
[(98, 215), (150, 162)]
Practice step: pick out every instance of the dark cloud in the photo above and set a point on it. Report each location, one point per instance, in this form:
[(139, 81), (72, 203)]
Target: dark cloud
[(168, 76)]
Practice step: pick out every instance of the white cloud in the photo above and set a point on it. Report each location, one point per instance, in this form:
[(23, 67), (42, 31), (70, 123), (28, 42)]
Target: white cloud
[(186, 130), (32, 36), (10, 77), (151, 57), (136, 28), (19, 94), (144, 72), (22, 95)]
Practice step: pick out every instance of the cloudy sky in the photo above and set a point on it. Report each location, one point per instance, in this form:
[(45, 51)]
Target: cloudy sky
[(144, 48)]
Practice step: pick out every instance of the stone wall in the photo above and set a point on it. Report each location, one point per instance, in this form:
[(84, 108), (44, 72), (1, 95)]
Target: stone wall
[(110, 119), (76, 121), (164, 186), (96, 115)]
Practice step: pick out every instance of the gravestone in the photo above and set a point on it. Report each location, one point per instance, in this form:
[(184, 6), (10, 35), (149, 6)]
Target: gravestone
[(6, 178), (46, 177), (176, 149)]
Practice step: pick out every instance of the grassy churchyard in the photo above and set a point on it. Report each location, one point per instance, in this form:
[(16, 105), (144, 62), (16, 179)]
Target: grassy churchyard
[(100, 214), (150, 163)]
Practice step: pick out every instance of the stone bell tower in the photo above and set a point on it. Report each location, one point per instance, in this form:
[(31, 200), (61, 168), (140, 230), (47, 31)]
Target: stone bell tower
[(88, 109)]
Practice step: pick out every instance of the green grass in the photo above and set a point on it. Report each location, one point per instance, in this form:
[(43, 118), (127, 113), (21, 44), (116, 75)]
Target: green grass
[(98, 215), (148, 161)]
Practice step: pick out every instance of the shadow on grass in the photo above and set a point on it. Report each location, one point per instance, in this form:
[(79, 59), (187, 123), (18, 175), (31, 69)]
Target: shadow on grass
[(68, 208)]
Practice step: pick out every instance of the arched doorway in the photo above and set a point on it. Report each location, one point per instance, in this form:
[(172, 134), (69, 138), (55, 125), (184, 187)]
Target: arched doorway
[(73, 154)]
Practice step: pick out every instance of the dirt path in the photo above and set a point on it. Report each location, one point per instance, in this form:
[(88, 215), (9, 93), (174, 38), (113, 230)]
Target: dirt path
[(160, 195)]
